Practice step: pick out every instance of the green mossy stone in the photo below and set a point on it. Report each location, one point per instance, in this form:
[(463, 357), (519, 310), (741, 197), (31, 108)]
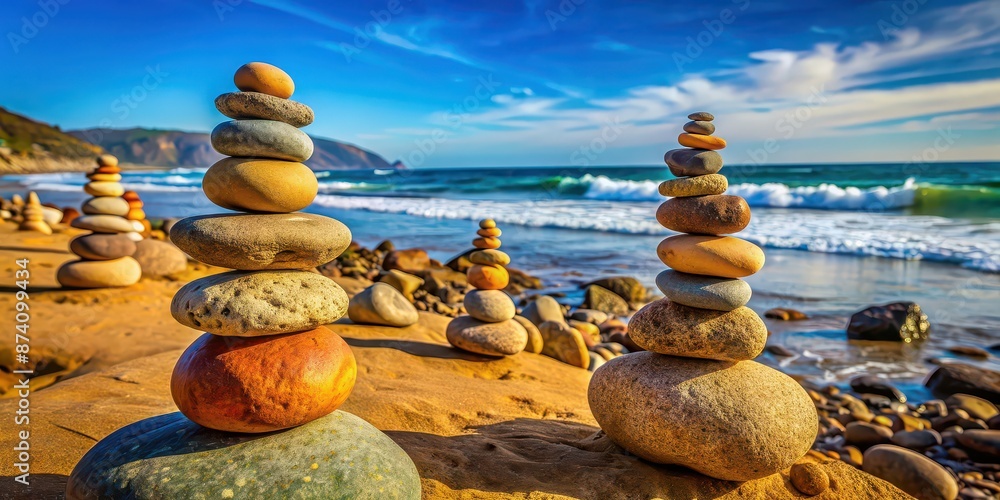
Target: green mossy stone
[(339, 456)]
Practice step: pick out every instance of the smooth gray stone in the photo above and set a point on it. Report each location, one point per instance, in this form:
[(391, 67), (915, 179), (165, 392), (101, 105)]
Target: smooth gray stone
[(339, 456), (704, 292), (381, 304), (249, 105), (262, 139), (699, 127), (701, 116), (491, 306), (691, 162)]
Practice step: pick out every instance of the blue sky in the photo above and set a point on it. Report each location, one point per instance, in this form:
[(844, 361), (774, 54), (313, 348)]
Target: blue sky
[(450, 83)]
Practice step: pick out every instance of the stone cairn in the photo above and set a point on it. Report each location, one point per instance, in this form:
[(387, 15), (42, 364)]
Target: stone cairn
[(490, 327), (136, 214), (105, 254), (695, 398), (33, 216), (266, 363)]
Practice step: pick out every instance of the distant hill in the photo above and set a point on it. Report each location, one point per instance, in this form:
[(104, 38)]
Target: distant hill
[(174, 148), (28, 146)]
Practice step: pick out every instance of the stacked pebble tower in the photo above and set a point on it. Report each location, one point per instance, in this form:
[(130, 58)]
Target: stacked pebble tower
[(266, 363), (136, 214), (695, 398), (489, 328), (106, 253), (33, 218)]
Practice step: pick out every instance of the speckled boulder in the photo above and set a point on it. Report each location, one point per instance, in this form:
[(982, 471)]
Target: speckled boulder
[(247, 304), (263, 384), (735, 421), (670, 328), (261, 241), (339, 456)]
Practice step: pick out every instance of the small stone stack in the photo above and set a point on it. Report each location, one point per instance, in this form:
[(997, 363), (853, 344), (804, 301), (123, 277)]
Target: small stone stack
[(33, 216), (490, 327), (106, 253), (695, 398), (136, 214), (266, 363)]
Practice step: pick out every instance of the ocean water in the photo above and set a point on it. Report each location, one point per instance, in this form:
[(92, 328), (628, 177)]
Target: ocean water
[(838, 237)]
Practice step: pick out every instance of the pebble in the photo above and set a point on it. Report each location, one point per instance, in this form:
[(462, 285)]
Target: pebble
[(535, 341), (600, 298), (107, 170), (124, 271), (975, 406), (104, 188), (486, 277), (699, 127), (493, 232), (261, 241), (486, 243), (713, 214), (669, 328), (382, 304), (543, 308), (704, 292), (911, 472), (406, 283), (487, 224), (590, 316), (723, 256), (264, 78), (159, 258), (694, 186), (731, 421), (103, 224), (489, 257), (263, 384), (864, 434), (107, 160), (809, 478), (491, 306), (564, 343), (785, 314), (701, 141), (693, 162), (701, 116), (868, 384), (970, 351), (262, 138), (105, 177), (916, 440), (410, 260), (985, 443), (596, 361), (591, 333), (261, 185), (251, 105), (98, 246), (169, 456), (249, 304), (491, 339)]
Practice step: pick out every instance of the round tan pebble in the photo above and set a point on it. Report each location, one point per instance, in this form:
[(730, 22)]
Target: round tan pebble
[(251, 184), (714, 214), (723, 256), (98, 188), (107, 160), (565, 343), (535, 341), (695, 186), (809, 478), (264, 78), (487, 224), (105, 177), (488, 277), (493, 232), (489, 257), (124, 271), (486, 243), (701, 141), (669, 328)]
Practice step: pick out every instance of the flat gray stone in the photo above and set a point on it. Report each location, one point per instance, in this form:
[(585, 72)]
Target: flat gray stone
[(96, 246), (691, 162), (491, 339), (699, 127), (704, 292), (250, 105), (263, 139)]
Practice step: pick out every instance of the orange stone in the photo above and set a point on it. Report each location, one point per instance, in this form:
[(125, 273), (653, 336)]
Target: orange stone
[(486, 243), (130, 196), (105, 177), (107, 170), (701, 141), (492, 232), (264, 78), (262, 384), (136, 214), (485, 277), (135, 204)]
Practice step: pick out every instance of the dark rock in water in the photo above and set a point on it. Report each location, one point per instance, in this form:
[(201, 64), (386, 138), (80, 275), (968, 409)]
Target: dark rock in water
[(970, 351), (601, 299), (898, 321), (168, 456), (867, 384), (955, 378), (785, 314), (626, 287), (779, 350)]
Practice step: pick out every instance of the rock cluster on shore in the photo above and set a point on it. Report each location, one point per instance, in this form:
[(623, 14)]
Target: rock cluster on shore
[(105, 254), (490, 327), (695, 398), (266, 363)]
